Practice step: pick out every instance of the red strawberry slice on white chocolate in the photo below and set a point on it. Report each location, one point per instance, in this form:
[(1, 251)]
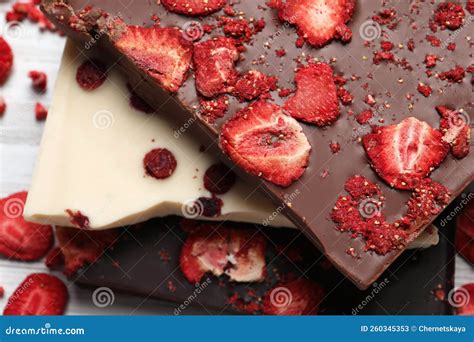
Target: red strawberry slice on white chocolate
[(265, 142), (404, 154)]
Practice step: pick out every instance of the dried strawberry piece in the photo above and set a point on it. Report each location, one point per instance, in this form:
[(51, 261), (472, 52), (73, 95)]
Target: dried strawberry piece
[(54, 259), (194, 8), (81, 247), (78, 219), (40, 112), (39, 294), (424, 89), (295, 297), (239, 29), (20, 239), (364, 117), (214, 109), (265, 142), (456, 130), (6, 60), (159, 163), (430, 60), (254, 84), (218, 179), (318, 21), (91, 74), (463, 300), (3, 106), (238, 253), (470, 6), (214, 66), (449, 15), (39, 80), (428, 199), (163, 53), (455, 75), (404, 154), (2, 292), (316, 99)]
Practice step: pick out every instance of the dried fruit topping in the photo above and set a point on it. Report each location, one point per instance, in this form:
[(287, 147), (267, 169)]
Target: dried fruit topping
[(41, 112), (39, 80), (39, 294), (449, 15), (91, 74), (316, 99), (6, 60), (295, 297), (218, 179), (265, 142), (217, 249), (463, 300), (78, 219), (455, 75), (22, 10), (239, 29), (404, 154), (208, 206), (365, 117), (214, 109), (318, 21), (424, 89), (81, 247), (163, 53), (470, 6), (254, 84), (159, 163), (456, 129), (214, 66), (20, 239), (194, 8), (3, 106)]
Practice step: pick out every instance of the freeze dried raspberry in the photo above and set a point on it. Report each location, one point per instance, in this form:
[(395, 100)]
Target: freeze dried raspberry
[(365, 117), (209, 206), (163, 53), (81, 247), (214, 109), (238, 29), (159, 163), (455, 75), (295, 297), (430, 61), (22, 10), (214, 62), (383, 56), (39, 294), (433, 41), (449, 15), (19, 239), (318, 21), (345, 97), (315, 100), (91, 74), (78, 219), (6, 60), (254, 84), (194, 8), (424, 89), (404, 154), (39, 80), (3, 106), (218, 179), (470, 6), (54, 259), (335, 147), (386, 46), (265, 142), (2, 292), (238, 253), (456, 130), (40, 112)]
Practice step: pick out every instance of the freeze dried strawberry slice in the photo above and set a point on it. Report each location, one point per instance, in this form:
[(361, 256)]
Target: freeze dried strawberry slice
[(161, 52), (463, 300), (214, 66), (6, 60), (81, 247), (265, 142), (194, 8), (319, 21), (39, 294), (19, 239), (238, 253), (456, 129), (296, 297), (316, 100), (404, 154)]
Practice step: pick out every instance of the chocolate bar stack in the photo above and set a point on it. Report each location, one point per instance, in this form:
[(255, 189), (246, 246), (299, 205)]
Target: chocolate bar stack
[(264, 157)]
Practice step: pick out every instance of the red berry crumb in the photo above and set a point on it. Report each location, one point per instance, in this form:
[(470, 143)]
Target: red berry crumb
[(39, 80), (3, 106), (214, 109), (424, 89), (430, 61), (78, 219), (91, 74), (2, 291), (455, 75), (40, 112), (365, 116), (159, 163), (6, 60), (335, 147), (449, 15)]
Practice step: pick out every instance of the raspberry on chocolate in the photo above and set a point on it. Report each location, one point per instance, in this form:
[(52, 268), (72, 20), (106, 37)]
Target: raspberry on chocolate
[(219, 179), (424, 89), (254, 84), (159, 163), (449, 15), (214, 109), (455, 75), (364, 117), (456, 130), (91, 74)]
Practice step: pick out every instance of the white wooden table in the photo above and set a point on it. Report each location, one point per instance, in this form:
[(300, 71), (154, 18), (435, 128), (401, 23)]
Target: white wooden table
[(20, 136)]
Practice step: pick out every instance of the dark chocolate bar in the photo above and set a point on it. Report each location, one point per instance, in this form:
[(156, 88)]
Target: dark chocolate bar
[(395, 85)]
